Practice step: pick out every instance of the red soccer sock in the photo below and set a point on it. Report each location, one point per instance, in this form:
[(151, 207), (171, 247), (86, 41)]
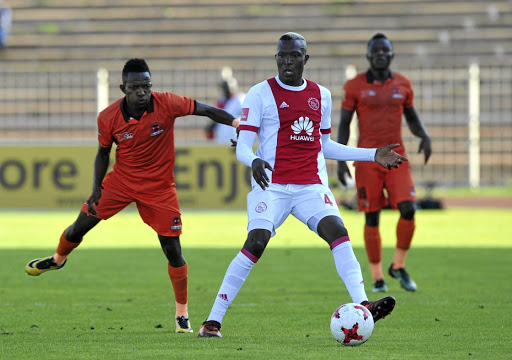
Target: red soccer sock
[(179, 279), (404, 233), (64, 249), (373, 243)]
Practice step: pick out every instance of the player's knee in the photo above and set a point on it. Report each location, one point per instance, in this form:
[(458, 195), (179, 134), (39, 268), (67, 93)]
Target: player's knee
[(331, 228), (74, 235), (172, 249), (257, 241), (407, 210), (372, 218)]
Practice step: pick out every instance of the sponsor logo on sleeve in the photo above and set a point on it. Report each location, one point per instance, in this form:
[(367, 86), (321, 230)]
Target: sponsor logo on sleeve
[(245, 114)]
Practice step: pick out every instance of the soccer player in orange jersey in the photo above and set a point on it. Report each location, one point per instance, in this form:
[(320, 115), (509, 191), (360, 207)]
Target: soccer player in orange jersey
[(380, 96), (141, 124)]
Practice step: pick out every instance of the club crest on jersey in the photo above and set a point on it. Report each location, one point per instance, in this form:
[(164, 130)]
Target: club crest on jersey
[(156, 129), (303, 124), (176, 223), (397, 94), (123, 136), (313, 103)]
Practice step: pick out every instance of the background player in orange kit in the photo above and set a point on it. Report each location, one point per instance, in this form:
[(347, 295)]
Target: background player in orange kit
[(380, 96), (142, 126)]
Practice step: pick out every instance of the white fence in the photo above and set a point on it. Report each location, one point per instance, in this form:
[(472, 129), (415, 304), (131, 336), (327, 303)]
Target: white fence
[(466, 110)]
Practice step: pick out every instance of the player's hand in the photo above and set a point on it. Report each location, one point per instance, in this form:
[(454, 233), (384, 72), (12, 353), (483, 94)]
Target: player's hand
[(426, 147), (258, 172), (386, 157), (233, 141), (93, 200), (343, 172)]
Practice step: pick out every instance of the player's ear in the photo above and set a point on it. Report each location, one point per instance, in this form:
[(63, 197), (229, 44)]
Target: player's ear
[(306, 58), (122, 87)]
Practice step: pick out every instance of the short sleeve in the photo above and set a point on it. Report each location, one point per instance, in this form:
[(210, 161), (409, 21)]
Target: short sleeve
[(252, 110), (104, 133), (179, 105), (409, 98), (349, 97), (325, 124)]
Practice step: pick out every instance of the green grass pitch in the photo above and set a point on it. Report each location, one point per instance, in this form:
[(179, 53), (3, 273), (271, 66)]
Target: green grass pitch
[(113, 299)]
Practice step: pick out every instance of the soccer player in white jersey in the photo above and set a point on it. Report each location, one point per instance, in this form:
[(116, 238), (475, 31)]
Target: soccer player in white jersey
[(292, 118)]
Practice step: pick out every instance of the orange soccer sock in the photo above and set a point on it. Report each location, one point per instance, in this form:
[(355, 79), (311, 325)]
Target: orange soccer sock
[(373, 244), (404, 233), (64, 249), (179, 279)]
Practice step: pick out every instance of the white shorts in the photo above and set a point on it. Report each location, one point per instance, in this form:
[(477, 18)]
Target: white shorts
[(268, 209)]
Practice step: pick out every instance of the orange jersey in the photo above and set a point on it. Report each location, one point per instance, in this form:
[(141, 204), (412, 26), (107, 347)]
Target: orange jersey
[(379, 108), (145, 147)]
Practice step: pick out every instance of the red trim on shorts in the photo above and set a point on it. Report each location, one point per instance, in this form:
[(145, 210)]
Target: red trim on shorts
[(251, 257), (339, 241), (325, 131), (248, 128)]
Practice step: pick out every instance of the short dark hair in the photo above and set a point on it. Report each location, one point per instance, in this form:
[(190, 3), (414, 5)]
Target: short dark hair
[(135, 65), (294, 36), (375, 37)]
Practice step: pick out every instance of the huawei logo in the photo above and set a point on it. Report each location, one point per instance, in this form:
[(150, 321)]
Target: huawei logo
[(303, 124)]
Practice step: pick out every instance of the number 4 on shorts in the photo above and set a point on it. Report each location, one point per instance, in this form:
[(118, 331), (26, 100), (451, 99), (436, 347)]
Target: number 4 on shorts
[(327, 200)]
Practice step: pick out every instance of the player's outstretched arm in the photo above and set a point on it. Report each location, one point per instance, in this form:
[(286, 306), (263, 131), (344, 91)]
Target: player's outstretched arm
[(386, 157), (218, 115)]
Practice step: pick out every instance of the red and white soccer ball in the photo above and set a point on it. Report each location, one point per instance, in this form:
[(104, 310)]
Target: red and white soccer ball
[(352, 324)]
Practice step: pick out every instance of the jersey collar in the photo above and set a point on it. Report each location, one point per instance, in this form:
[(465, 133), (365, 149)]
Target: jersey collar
[(127, 116), (292, 88), (370, 79)]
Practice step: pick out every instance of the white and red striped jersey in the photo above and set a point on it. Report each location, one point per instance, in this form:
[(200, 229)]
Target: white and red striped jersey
[(289, 121)]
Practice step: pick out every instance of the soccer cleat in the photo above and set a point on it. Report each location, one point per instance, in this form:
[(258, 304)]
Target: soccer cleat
[(183, 325), (380, 286), (380, 308), (405, 281), (210, 329), (38, 266)]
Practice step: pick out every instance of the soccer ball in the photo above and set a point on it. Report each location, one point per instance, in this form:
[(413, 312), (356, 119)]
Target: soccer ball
[(352, 324)]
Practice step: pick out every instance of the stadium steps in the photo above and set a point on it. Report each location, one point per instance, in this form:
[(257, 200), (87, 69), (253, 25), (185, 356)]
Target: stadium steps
[(82, 31)]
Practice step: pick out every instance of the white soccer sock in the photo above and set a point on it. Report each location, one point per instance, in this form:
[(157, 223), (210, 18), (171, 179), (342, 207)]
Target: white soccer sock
[(349, 271), (235, 277)]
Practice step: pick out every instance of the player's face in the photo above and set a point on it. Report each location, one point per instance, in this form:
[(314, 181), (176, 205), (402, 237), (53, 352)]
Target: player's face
[(137, 88), (290, 58), (380, 54)]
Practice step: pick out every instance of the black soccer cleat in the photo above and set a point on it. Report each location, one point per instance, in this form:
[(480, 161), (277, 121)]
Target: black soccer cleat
[(210, 329), (380, 308), (380, 286), (405, 280)]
